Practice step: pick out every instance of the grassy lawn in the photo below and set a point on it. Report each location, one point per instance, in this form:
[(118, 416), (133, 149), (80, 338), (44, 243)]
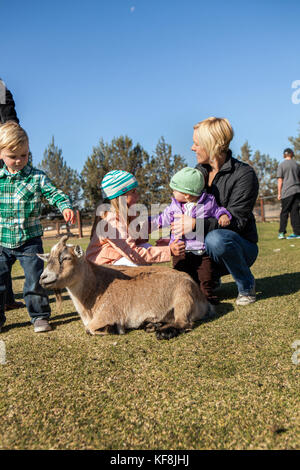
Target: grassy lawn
[(228, 384)]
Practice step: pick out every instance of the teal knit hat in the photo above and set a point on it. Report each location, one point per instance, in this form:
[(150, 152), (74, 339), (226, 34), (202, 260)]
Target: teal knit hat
[(116, 183), (188, 181)]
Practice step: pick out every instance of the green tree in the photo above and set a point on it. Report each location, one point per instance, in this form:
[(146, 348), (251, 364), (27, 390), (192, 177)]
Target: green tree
[(265, 168), (64, 177), (295, 141), (162, 166)]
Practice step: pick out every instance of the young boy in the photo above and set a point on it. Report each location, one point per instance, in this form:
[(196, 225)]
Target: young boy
[(21, 190), (190, 198)]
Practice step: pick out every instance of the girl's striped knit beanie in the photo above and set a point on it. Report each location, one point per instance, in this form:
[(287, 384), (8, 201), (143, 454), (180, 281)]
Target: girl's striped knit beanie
[(117, 182)]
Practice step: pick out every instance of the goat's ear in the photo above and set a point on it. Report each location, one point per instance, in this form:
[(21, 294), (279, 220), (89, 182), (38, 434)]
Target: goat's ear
[(78, 251), (44, 257)]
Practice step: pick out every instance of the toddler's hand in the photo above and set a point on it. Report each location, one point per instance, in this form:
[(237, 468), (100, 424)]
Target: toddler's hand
[(177, 248), (69, 216), (224, 220)]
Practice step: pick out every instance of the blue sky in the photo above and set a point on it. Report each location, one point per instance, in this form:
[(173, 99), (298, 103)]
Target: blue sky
[(82, 70)]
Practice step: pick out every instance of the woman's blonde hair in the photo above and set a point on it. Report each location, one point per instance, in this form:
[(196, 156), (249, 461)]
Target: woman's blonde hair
[(214, 135), (12, 136)]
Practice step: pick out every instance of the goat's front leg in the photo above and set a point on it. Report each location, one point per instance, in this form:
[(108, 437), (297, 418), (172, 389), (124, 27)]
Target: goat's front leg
[(97, 327)]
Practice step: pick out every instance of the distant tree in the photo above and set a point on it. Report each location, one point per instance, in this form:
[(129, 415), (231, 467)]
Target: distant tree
[(265, 168), (295, 141), (64, 177), (162, 166), (30, 158), (246, 153)]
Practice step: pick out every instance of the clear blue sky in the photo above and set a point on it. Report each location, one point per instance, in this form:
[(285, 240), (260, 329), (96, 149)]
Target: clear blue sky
[(82, 70)]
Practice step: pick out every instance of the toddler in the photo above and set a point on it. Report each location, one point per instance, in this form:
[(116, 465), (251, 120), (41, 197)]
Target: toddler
[(190, 198)]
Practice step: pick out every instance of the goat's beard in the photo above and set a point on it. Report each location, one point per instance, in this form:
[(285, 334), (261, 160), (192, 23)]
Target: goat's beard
[(58, 296)]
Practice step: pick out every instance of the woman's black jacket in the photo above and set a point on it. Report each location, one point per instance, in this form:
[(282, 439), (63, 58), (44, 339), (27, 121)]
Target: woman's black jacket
[(235, 187)]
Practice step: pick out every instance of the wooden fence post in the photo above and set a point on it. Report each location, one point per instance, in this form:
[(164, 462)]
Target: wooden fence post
[(79, 222), (262, 210), (57, 228)]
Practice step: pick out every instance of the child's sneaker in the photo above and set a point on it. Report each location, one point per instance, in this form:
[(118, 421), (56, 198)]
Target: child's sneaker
[(292, 236), (41, 325), (281, 236)]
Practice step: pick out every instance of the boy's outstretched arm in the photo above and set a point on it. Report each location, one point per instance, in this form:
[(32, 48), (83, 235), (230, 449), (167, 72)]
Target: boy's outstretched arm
[(57, 198)]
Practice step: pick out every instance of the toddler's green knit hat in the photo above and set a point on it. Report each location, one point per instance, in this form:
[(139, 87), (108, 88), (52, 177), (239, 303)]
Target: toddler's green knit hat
[(188, 181)]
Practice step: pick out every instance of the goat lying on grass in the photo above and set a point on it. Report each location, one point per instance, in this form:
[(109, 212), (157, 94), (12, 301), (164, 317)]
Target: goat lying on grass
[(124, 297)]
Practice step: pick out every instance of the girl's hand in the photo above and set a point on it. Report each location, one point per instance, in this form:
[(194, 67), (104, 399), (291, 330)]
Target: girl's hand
[(177, 248), (69, 216), (224, 220), (182, 224)]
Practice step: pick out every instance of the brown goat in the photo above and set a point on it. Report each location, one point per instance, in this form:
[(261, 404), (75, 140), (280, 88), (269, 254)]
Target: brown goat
[(124, 297)]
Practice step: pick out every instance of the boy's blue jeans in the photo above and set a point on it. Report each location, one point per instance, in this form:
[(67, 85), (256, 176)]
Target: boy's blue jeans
[(234, 255), (35, 296)]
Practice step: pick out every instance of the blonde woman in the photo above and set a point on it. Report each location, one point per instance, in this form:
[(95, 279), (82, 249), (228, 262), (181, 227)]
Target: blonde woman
[(235, 187)]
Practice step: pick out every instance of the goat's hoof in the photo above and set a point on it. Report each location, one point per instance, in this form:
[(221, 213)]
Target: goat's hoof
[(167, 333), (151, 327)]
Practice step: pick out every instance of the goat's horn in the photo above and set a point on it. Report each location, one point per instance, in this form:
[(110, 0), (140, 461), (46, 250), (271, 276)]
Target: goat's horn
[(64, 239)]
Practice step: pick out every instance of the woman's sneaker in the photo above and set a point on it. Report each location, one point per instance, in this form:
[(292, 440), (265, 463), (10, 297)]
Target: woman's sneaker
[(292, 236), (246, 299), (281, 236), (41, 325)]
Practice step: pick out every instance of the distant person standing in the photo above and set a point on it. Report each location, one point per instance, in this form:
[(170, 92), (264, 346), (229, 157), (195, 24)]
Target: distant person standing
[(7, 105), (288, 177)]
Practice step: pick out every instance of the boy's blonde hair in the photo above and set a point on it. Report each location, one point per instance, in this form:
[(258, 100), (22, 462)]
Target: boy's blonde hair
[(214, 135), (12, 136)]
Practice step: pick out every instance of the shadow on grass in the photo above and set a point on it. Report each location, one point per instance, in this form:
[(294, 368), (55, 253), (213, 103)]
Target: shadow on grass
[(266, 287), (220, 310), (51, 300), (57, 320), (70, 317), (16, 278), (277, 286)]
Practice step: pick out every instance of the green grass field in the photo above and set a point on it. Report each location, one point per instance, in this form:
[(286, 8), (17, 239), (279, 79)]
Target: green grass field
[(229, 384)]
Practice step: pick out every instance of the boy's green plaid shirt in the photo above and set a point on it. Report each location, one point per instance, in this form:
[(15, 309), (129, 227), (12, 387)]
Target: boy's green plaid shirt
[(20, 204)]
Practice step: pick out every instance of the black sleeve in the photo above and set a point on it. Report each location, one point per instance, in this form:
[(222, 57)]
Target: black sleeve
[(242, 199), (7, 110)]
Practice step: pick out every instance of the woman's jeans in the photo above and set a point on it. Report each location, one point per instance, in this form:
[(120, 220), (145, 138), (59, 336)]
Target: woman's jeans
[(35, 296), (233, 255)]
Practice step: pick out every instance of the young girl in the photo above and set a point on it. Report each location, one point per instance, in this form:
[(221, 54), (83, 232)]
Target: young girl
[(111, 240), (190, 199)]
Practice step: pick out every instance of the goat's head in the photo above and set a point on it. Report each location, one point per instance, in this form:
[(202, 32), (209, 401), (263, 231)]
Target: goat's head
[(63, 266)]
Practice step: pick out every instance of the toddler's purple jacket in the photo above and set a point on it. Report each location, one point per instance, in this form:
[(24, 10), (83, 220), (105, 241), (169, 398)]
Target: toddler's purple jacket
[(205, 207)]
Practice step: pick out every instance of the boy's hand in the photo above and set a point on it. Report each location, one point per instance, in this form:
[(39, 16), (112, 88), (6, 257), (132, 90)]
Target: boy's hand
[(178, 248), (69, 216), (224, 220)]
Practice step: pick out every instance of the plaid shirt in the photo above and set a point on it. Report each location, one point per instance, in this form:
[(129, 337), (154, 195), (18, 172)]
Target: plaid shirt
[(20, 204)]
